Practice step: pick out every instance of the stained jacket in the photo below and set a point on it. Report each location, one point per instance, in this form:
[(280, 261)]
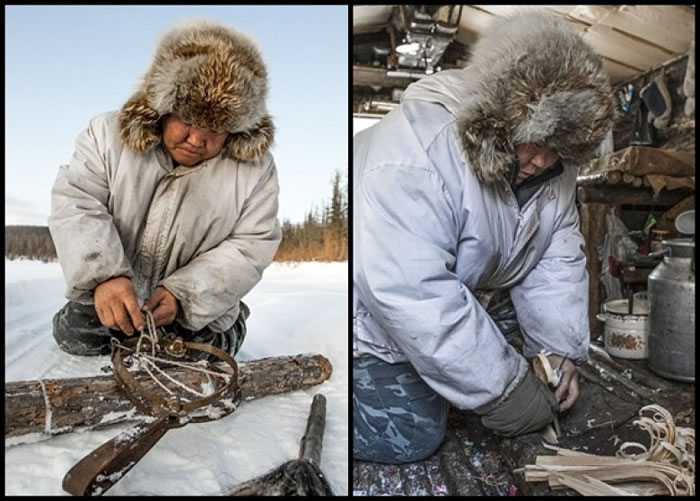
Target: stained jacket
[(430, 239), (437, 227), (205, 233)]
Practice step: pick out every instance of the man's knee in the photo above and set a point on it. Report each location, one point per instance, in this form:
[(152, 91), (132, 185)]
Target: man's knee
[(229, 340), (394, 438), (397, 418), (429, 431), (78, 331)]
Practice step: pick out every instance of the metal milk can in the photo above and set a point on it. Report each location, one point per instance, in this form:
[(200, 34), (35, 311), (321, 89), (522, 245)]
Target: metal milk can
[(671, 293)]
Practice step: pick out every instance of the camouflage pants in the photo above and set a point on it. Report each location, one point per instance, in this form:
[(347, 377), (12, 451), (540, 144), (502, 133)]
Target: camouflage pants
[(397, 417), (78, 331)]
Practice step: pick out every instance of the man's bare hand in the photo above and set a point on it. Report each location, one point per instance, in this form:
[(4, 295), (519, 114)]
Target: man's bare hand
[(117, 306), (163, 305), (568, 390)]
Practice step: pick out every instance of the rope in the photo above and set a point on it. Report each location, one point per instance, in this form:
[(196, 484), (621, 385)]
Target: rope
[(199, 394), (188, 365), (146, 361), (152, 334)]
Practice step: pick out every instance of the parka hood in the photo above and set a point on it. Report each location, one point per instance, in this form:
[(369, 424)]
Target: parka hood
[(209, 75), (531, 79)]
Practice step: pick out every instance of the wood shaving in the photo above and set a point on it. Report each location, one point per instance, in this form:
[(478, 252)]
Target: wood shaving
[(544, 372), (666, 467)]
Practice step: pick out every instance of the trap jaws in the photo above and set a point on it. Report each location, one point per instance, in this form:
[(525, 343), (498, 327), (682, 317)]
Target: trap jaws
[(151, 402), (102, 468)]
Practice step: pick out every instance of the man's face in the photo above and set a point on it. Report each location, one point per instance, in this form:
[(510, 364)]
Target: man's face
[(533, 160), (190, 145)]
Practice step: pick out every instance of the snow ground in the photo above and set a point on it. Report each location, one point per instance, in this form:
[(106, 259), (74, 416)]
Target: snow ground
[(296, 308)]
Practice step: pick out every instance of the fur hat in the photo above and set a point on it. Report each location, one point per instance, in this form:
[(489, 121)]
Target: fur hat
[(536, 81), (208, 75)]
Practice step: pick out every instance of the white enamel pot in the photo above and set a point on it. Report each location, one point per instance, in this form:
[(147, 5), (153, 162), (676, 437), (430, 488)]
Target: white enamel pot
[(626, 335)]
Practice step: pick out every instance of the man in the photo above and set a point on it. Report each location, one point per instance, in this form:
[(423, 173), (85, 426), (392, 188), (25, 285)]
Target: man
[(466, 234), (170, 204)]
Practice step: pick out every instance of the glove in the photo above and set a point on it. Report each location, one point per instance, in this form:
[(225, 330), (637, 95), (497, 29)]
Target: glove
[(529, 407)]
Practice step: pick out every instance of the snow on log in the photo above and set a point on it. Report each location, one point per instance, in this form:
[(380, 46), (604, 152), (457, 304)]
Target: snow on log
[(52, 406)]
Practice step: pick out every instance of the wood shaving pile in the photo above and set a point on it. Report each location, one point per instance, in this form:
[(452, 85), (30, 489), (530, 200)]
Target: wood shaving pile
[(667, 467)]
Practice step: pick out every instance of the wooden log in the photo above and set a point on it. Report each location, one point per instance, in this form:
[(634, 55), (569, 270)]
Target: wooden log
[(597, 178), (613, 176), (635, 181), (627, 178), (609, 177), (628, 195), (52, 406)]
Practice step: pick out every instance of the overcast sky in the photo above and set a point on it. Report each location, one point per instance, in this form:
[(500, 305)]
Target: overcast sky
[(64, 65)]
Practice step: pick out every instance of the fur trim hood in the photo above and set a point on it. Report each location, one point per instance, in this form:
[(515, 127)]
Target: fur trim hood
[(209, 75), (535, 80)]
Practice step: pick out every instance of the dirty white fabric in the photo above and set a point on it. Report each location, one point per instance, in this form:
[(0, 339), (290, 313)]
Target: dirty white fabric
[(428, 238), (205, 233)]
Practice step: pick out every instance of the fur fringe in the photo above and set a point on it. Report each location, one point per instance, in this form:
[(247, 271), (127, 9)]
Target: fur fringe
[(209, 75), (537, 81)]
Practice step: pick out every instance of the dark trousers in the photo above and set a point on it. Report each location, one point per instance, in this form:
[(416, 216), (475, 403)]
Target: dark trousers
[(397, 417), (78, 331)]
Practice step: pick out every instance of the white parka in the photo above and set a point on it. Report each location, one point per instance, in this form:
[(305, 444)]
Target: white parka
[(430, 240), (437, 228), (206, 233)]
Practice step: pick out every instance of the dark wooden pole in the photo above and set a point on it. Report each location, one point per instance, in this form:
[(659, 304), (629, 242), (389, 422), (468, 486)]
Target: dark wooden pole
[(312, 441), (628, 195), (593, 231)]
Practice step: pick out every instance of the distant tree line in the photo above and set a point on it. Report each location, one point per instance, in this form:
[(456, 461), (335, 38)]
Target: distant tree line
[(322, 236), (29, 242)]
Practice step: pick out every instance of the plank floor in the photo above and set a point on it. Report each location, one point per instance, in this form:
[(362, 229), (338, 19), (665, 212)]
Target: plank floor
[(472, 461)]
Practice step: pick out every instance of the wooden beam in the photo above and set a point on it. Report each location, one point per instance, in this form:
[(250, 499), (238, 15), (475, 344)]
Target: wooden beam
[(610, 177), (623, 48), (636, 275), (666, 26), (377, 77), (472, 24), (626, 195), (370, 17)]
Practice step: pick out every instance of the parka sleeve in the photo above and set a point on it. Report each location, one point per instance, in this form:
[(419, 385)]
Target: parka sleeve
[(87, 242), (214, 281), (551, 302), (405, 242)]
